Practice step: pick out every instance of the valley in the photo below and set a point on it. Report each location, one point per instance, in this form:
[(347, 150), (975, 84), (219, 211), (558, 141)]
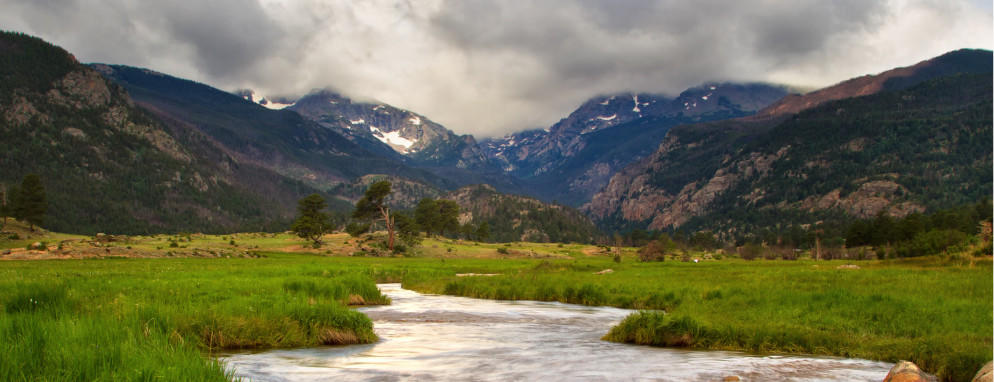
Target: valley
[(157, 227)]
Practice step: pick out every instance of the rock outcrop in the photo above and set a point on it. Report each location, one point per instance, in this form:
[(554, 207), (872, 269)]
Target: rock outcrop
[(905, 371)]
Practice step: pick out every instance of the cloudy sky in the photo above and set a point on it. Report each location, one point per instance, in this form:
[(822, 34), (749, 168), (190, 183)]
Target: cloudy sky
[(493, 67)]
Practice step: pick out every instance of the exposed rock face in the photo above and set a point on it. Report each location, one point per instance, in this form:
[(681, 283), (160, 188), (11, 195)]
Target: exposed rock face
[(985, 374), (632, 194), (404, 194), (520, 218), (408, 134), (841, 156), (867, 201), (905, 371), (606, 133)]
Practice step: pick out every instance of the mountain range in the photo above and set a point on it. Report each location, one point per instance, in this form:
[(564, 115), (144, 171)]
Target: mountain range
[(134, 150)]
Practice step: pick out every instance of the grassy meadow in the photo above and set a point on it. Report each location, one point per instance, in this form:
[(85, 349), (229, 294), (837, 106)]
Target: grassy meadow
[(164, 314)]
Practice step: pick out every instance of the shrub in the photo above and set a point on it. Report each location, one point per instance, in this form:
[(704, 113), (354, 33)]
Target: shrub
[(931, 243), (502, 251), (653, 251), (750, 251), (355, 229)]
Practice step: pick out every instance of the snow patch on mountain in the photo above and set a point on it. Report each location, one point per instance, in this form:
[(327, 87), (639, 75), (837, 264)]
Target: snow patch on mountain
[(415, 120), (393, 139), (603, 118)]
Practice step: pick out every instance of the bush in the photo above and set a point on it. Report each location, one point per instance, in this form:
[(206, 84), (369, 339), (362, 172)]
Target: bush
[(502, 251), (355, 229), (750, 251), (931, 243), (653, 251)]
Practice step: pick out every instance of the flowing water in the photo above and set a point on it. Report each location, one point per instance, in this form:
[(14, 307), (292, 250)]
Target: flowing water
[(444, 338)]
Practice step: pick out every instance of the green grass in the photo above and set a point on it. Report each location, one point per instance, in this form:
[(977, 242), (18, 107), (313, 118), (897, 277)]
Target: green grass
[(139, 319), (146, 316), (934, 313)]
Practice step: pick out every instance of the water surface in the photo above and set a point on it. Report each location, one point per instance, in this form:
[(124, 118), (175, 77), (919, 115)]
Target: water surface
[(444, 338)]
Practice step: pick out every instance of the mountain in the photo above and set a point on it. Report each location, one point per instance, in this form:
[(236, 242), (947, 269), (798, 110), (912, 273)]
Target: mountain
[(405, 193), (576, 157), (109, 165), (279, 140), (411, 135), (520, 218), (920, 141), (959, 61), (274, 103)]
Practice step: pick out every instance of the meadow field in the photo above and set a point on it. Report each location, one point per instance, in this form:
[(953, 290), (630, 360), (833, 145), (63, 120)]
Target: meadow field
[(163, 315)]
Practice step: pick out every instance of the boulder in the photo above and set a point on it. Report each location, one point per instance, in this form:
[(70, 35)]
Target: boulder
[(37, 245), (986, 374), (604, 272), (905, 371)]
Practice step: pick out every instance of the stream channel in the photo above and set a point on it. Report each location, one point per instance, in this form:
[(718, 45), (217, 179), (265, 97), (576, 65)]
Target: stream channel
[(444, 338)]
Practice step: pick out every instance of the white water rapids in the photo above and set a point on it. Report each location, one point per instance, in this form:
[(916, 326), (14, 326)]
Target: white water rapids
[(444, 338)]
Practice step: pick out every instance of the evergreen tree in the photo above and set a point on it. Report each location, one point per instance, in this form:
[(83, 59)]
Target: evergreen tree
[(32, 205), (448, 216), (373, 205), (426, 215), (311, 222), (3, 205), (407, 229), (483, 232)]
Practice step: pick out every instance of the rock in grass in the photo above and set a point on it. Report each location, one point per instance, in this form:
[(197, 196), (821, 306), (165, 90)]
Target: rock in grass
[(355, 299), (606, 271), (986, 374), (905, 371)]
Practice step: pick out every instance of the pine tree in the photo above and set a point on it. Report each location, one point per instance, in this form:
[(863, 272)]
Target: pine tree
[(483, 231), (426, 215), (32, 205), (311, 223), (3, 205), (373, 204)]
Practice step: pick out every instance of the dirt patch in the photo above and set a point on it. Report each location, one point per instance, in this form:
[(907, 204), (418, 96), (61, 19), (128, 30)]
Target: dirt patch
[(477, 274)]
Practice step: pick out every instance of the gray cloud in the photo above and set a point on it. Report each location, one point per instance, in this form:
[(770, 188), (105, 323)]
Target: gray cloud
[(492, 67)]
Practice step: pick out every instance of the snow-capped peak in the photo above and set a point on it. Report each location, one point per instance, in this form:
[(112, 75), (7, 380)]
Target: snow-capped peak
[(393, 139), (250, 95)]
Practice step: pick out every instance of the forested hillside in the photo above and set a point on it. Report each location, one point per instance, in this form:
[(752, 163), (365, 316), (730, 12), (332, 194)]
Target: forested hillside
[(109, 166), (896, 152)]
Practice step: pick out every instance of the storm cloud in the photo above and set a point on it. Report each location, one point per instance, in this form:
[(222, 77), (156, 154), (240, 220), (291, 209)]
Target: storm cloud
[(493, 67)]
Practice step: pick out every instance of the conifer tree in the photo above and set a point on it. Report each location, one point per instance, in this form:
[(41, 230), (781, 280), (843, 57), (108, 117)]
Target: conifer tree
[(32, 205), (373, 205), (311, 222)]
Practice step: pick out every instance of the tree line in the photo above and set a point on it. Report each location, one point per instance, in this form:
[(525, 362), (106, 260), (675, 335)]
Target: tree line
[(430, 217), (914, 235)]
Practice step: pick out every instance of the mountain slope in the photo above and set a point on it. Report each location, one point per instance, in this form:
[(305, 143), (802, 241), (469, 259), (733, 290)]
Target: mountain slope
[(896, 152), (412, 135), (110, 166), (578, 155), (279, 140), (520, 218)]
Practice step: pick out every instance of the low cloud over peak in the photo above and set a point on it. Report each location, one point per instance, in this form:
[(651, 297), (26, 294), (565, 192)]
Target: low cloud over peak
[(492, 67)]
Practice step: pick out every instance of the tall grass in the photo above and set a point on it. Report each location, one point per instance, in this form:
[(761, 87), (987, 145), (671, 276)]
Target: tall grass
[(149, 319), (929, 311)]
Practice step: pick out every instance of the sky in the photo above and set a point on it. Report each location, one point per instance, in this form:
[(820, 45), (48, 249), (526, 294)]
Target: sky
[(493, 67)]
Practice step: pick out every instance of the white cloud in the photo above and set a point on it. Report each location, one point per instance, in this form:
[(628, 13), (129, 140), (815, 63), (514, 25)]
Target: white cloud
[(491, 67)]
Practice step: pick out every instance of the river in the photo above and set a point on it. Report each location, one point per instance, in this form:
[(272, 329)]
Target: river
[(444, 338)]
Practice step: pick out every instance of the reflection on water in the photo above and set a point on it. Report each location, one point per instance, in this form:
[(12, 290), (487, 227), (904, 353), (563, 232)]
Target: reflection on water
[(443, 338)]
